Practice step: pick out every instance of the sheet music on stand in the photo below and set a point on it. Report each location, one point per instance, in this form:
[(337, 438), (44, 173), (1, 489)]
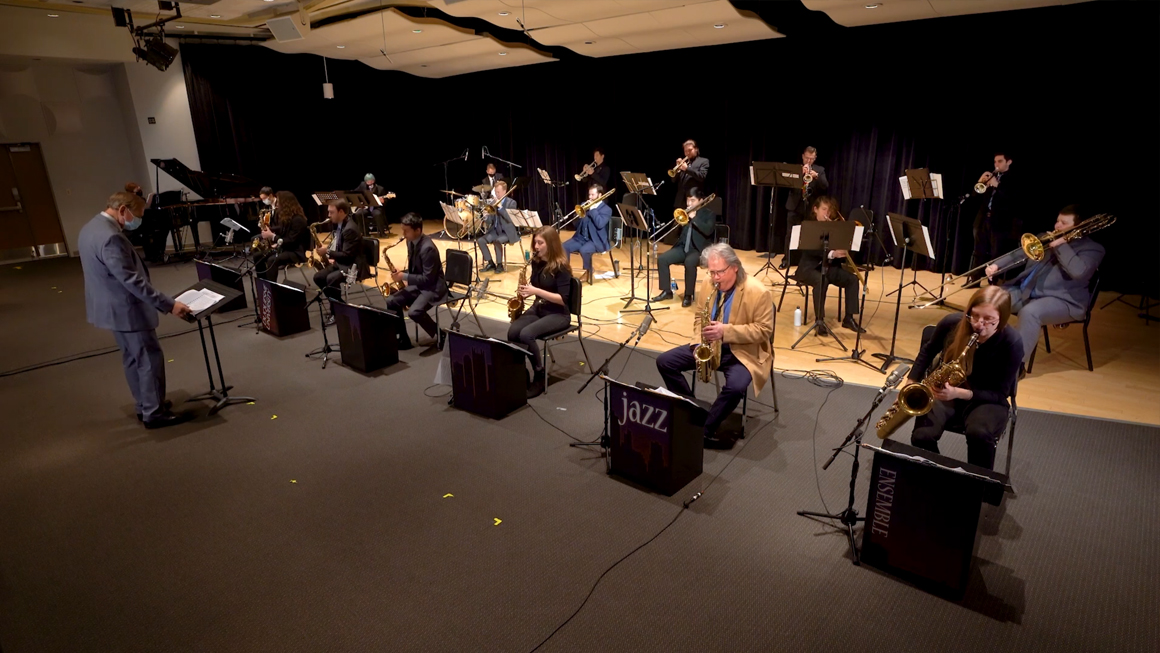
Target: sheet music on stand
[(900, 223), (544, 176), (525, 219), (324, 196), (856, 246), (920, 183), (639, 183), (449, 213)]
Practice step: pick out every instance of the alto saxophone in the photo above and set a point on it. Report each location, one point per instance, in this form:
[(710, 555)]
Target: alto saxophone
[(708, 353), (918, 398), (391, 286), (516, 303)]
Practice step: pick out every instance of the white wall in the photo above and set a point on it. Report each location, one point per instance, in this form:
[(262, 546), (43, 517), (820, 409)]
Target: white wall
[(162, 96), (74, 112)]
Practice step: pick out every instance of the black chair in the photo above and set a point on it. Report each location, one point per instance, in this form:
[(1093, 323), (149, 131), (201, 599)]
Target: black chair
[(1094, 288), (721, 234), (577, 327), (956, 425)]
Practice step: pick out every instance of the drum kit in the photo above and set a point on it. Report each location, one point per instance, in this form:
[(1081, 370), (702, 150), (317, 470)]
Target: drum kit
[(470, 209)]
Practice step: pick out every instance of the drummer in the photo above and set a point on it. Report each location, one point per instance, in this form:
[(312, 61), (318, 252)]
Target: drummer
[(489, 181)]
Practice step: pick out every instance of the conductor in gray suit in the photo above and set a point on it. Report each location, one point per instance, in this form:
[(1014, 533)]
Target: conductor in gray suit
[(1056, 289), (120, 298)]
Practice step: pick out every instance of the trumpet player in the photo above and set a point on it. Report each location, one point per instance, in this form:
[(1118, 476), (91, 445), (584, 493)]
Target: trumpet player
[(288, 222), (998, 222), (1054, 290), (500, 229), (694, 237), (798, 205), (810, 272), (980, 404), (596, 172), (550, 284), (591, 230), (344, 251), (425, 287), (741, 322), (690, 173)]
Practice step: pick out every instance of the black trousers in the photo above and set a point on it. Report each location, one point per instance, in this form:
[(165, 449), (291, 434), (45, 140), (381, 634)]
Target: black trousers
[(329, 279), (533, 324), (677, 254), (991, 242), (983, 425), (419, 301), (267, 265), (378, 213), (836, 275), (675, 362)]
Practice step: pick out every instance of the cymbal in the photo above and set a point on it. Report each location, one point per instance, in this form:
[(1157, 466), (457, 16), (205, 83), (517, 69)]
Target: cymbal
[(451, 192), (482, 188)]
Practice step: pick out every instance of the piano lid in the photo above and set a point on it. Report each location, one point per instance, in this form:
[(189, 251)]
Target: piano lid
[(208, 185)]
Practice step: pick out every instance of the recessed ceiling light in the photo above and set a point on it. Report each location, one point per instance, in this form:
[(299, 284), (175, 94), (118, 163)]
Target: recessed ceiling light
[(180, 26), (874, 6), (416, 31), (505, 13), (215, 16), (720, 26), (54, 15), (341, 47), (589, 42), (422, 65), (503, 54)]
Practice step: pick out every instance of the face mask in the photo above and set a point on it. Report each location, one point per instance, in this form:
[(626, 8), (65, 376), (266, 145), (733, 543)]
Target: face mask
[(267, 201), (133, 224)]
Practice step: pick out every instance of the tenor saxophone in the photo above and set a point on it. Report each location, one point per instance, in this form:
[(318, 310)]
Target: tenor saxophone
[(516, 303), (312, 257), (918, 398), (391, 286), (707, 353)]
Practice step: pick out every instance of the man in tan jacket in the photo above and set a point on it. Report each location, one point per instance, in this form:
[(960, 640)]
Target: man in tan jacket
[(741, 320)]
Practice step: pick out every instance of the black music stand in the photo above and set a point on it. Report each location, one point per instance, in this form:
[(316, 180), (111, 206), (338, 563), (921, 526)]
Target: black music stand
[(367, 336), (489, 376), (824, 236), (856, 353), (653, 436), (775, 175), (281, 307), (204, 318), (640, 185), (917, 184), (911, 235), (633, 219)]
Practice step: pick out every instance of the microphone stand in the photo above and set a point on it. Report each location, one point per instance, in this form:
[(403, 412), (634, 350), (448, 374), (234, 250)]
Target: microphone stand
[(445, 182), (602, 441), (849, 517), (326, 349)]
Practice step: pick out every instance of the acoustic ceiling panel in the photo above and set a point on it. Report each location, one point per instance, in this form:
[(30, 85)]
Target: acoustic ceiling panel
[(854, 13)]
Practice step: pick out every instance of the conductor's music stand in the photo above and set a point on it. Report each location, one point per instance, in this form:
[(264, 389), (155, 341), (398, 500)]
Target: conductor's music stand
[(634, 219), (640, 185), (775, 175), (824, 236), (220, 396), (919, 184), (911, 235)]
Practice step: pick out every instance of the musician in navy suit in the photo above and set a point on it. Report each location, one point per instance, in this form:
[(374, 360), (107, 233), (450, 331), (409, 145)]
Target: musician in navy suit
[(1055, 290), (591, 230), (119, 297), (500, 228)]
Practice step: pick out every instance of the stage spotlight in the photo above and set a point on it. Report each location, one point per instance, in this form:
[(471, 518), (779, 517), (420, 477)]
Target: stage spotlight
[(156, 53)]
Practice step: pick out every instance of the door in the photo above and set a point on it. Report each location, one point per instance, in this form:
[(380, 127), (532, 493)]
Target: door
[(29, 221)]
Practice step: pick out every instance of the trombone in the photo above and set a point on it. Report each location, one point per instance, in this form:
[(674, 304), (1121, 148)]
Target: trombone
[(1031, 247), (582, 209), (674, 171), (584, 173), (681, 217)]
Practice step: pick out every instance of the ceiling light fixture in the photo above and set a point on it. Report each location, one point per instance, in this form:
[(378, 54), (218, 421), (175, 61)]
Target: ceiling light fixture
[(505, 13), (720, 26), (416, 31), (589, 42), (422, 65), (215, 16), (503, 54), (341, 47), (54, 15), (874, 6), (180, 26)]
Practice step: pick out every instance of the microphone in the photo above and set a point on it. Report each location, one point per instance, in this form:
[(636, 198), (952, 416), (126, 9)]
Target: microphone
[(482, 289), (278, 244), (482, 153), (465, 154), (896, 376), (643, 328)]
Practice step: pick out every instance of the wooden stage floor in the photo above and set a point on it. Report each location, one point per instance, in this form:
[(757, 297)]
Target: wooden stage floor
[(1126, 354)]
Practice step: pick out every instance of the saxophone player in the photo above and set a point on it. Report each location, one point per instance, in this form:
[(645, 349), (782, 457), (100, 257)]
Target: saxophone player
[(426, 286), (980, 403), (811, 273), (741, 321), (550, 283), (289, 225), (344, 251)]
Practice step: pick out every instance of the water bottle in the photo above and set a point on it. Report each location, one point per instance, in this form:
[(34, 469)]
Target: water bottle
[(674, 286), (797, 316)]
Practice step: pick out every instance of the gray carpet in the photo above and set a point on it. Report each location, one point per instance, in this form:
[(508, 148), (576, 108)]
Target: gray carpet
[(327, 528)]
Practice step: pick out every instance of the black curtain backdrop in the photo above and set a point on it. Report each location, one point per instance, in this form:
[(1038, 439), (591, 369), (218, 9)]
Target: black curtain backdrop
[(1071, 92)]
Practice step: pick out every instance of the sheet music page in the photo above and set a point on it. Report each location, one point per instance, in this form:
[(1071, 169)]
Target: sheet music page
[(905, 187), (752, 179), (199, 300), (936, 184), (926, 237), (893, 236), (533, 218), (857, 244), (794, 233)]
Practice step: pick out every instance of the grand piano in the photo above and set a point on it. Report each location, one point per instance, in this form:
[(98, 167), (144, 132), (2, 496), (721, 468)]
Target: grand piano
[(224, 195)]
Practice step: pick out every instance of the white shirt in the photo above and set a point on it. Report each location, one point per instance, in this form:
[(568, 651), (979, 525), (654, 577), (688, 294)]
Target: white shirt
[(114, 220)]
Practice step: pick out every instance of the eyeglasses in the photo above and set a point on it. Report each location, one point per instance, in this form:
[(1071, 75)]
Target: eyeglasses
[(717, 273), (987, 322)]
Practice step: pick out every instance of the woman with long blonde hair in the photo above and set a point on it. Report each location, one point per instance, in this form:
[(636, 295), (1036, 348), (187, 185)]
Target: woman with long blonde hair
[(550, 283), (980, 402)]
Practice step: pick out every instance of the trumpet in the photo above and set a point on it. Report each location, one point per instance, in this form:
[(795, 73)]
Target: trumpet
[(1031, 247), (582, 209), (675, 170), (681, 216), (584, 173), (981, 185)]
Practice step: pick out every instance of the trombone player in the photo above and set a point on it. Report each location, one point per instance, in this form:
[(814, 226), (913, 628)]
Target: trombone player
[(1054, 290), (500, 229), (741, 324), (591, 230), (693, 239)]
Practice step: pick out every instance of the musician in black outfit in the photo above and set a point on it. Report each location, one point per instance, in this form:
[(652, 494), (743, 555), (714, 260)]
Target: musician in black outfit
[(599, 173), (550, 283), (424, 278), (799, 202), (367, 188), (809, 271), (999, 221), (489, 180), (691, 173), (288, 224), (345, 250), (692, 239), (981, 401)]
